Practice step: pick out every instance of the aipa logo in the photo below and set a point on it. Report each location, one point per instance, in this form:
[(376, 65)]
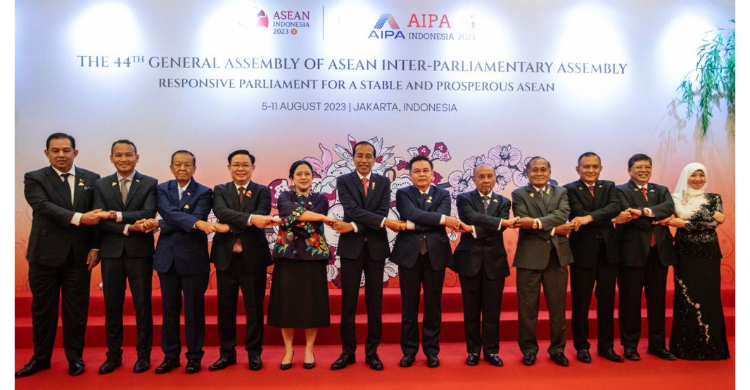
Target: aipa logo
[(394, 32)]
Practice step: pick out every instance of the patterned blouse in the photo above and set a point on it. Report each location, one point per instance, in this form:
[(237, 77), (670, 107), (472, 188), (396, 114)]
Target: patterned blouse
[(301, 240), (698, 238)]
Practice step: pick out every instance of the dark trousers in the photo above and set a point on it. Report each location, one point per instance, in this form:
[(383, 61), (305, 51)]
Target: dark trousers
[(253, 285), (554, 280), (137, 272), (173, 286), (632, 281), (412, 280), (482, 297), (46, 283), (351, 274), (582, 281)]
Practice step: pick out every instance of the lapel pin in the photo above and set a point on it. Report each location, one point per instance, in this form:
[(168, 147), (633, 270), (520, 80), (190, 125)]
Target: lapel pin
[(429, 200), (531, 194), (248, 193), (137, 181), (186, 207), (600, 186), (80, 183), (547, 192), (580, 188), (652, 191), (114, 183), (372, 187), (188, 194), (494, 200)]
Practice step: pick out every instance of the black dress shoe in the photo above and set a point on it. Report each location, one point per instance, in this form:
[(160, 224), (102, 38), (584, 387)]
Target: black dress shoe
[(222, 363), (632, 354), (472, 359), (76, 367), (560, 359), (32, 367), (193, 366), (310, 365), (374, 362), (494, 360), (583, 356), (432, 361), (110, 364), (254, 363), (529, 358), (611, 355), (406, 361), (167, 365), (141, 365), (343, 361), (662, 353)]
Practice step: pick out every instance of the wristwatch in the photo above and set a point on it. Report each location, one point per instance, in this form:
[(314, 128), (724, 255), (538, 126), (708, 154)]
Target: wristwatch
[(113, 214)]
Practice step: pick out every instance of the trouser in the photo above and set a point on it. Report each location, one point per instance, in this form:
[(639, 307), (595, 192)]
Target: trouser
[(582, 282), (412, 280), (173, 286), (253, 286), (482, 298)]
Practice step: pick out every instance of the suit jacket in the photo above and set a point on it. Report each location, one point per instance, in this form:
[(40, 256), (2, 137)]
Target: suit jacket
[(140, 204), (367, 213), (603, 206), (426, 215), (256, 253), (52, 235), (534, 245), (488, 248), (634, 237), (179, 243)]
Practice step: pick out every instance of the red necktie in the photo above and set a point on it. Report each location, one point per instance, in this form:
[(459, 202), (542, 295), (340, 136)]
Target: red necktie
[(364, 184), (241, 193), (591, 190), (645, 194)]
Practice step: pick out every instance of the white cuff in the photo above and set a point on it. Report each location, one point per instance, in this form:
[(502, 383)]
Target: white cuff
[(442, 219), (538, 223), (125, 231), (552, 233), (500, 226), (648, 212), (354, 226), (383, 223), (76, 220), (249, 223), (410, 225), (473, 231), (119, 216)]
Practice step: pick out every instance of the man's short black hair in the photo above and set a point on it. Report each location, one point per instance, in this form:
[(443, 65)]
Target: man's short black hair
[(241, 151), (181, 151), (419, 158), (589, 154), (122, 141), (531, 160), (638, 157), (354, 149), (60, 136)]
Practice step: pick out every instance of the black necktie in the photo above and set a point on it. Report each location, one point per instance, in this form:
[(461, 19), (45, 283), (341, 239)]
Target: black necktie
[(66, 184), (486, 202), (423, 239), (241, 194)]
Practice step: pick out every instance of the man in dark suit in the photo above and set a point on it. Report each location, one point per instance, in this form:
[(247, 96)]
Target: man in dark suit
[(422, 252), (542, 257), (181, 260), (593, 204), (363, 247), (482, 264), (61, 253), (646, 252), (127, 250), (241, 257)]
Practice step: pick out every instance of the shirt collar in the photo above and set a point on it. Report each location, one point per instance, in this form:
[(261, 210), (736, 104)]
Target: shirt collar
[(369, 175), (130, 178), (481, 195), (182, 189), (544, 188), (237, 185), (72, 171), (642, 187)]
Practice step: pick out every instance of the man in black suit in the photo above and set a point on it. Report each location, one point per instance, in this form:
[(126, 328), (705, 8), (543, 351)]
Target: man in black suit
[(593, 204), (241, 257), (646, 252), (61, 252), (541, 259), (422, 252), (363, 246), (127, 250), (482, 264), (181, 260)]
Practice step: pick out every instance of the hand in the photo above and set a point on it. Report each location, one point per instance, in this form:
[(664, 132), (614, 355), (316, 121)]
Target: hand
[(221, 228), (581, 221), (564, 229), (452, 223), (92, 259), (526, 223), (634, 213), (665, 221), (395, 225), (623, 217), (677, 222), (342, 227), (329, 221), (148, 225), (274, 221), (205, 227), (103, 215), (465, 228), (719, 217), (510, 223), (260, 221), (92, 217)]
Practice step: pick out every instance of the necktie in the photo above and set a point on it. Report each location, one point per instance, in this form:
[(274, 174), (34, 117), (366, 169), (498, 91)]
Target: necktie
[(423, 239), (364, 184), (241, 193), (179, 193), (645, 195), (591, 190), (66, 184), (124, 190), (541, 193), (486, 202), (644, 192)]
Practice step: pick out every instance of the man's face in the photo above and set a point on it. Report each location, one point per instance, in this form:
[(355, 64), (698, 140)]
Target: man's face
[(182, 167), (640, 172), (124, 158), (539, 173), (61, 154), (484, 179), (589, 169), (364, 159), (421, 174), (241, 168)]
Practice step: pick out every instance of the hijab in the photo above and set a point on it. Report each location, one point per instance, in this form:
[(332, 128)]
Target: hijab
[(688, 200)]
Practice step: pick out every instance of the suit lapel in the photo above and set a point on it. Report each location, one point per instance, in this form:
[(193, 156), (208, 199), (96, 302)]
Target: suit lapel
[(531, 192), (232, 197), (246, 201), (115, 186), (78, 188), (417, 196), (59, 187), (370, 189), (638, 195), (583, 191), (134, 185), (494, 204), (359, 186), (476, 198), (188, 194)]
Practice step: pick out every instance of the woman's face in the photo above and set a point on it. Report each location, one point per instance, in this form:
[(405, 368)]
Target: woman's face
[(697, 180), (303, 178)]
